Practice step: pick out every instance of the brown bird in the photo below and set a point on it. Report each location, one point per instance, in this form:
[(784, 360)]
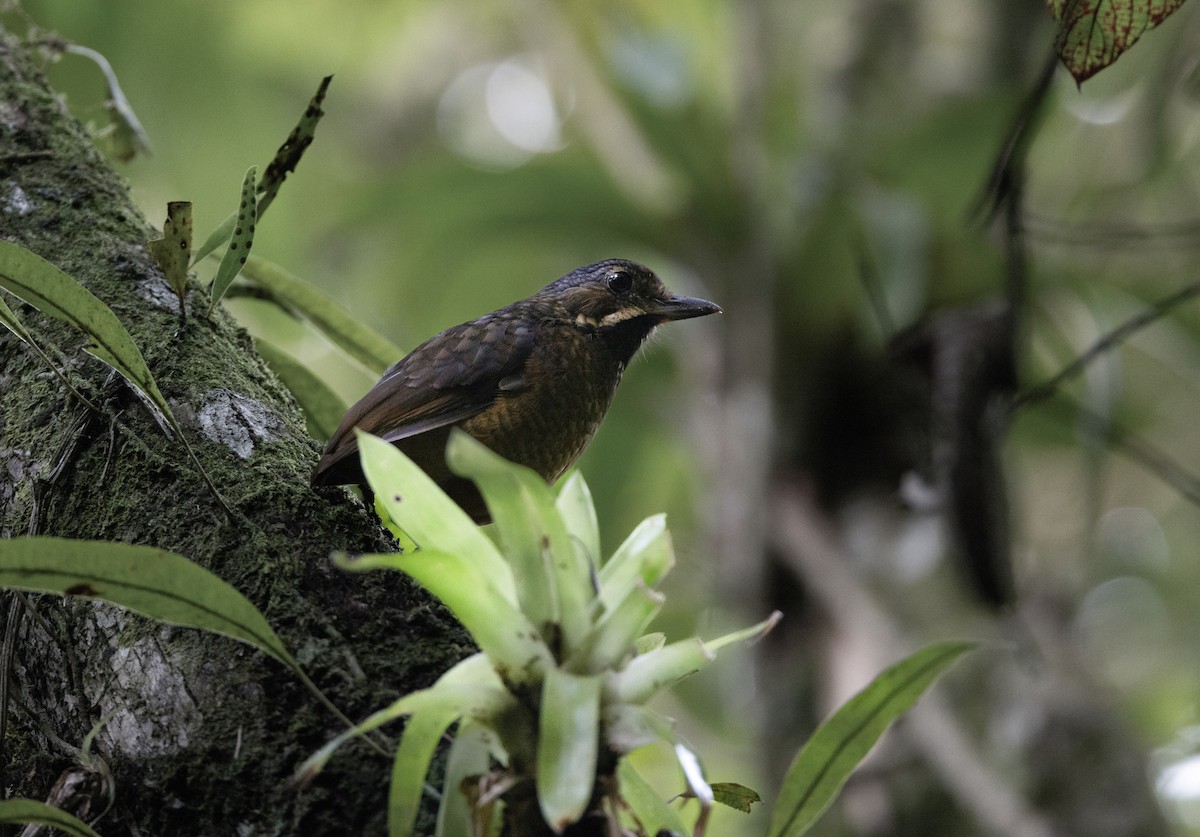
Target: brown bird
[(532, 381)]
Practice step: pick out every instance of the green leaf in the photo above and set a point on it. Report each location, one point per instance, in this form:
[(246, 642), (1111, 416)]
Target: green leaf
[(323, 408), (10, 320), (422, 734), (240, 242), (827, 759), (293, 148), (612, 638), (128, 138), (48, 289), (343, 329), (469, 759), (153, 582), (502, 632), (754, 632), (649, 673), (471, 688), (18, 811), (216, 238), (568, 746), (733, 795), (422, 509), (627, 727), (647, 805), (173, 251), (1094, 33), (644, 558), (554, 581), (578, 512)]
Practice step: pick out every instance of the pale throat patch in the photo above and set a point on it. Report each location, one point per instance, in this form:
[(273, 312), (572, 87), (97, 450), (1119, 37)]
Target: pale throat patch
[(608, 319)]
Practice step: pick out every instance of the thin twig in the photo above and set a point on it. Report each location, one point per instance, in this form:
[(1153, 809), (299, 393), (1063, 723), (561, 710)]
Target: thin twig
[(1106, 343)]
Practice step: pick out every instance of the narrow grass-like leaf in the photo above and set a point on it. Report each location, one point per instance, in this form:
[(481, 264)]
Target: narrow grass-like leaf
[(567, 746), (18, 811), (554, 580), (422, 509), (55, 293), (826, 760), (578, 512), (647, 805), (343, 329), (648, 673), (293, 148), (240, 242), (45, 287), (644, 558), (10, 320), (323, 408), (420, 740), (513, 644), (153, 582), (173, 251)]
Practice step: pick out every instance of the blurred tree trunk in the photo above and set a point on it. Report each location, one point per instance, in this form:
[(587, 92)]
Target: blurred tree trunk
[(199, 733)]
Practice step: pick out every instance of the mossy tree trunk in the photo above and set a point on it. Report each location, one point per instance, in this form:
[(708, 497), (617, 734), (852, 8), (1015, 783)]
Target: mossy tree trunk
[(200, 733)]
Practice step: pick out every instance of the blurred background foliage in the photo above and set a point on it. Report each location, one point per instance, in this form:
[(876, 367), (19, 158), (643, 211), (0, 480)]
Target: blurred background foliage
[(812, 167)]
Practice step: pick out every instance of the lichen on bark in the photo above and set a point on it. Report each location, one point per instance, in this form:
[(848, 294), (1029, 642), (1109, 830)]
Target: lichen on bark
[(200, 733)]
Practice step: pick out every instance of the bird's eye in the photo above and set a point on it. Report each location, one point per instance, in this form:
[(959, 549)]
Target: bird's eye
[(620, 281)]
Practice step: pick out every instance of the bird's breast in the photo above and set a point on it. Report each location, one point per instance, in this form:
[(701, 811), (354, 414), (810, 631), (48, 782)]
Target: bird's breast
[(546, 417)]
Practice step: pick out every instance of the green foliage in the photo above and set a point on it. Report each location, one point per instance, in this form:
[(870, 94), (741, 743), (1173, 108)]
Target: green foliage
[(53, 292), (1094, 33), (302, 300), (560, 674), (21, 811), (173, 251), (153, 582), (156, 583), (59, 295), (828, 758), (241, 239)]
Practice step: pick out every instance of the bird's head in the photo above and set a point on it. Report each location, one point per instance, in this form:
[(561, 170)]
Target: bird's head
[(622, 302)]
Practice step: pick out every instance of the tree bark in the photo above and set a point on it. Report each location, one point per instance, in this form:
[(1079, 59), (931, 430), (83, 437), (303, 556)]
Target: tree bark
[(200, 733)]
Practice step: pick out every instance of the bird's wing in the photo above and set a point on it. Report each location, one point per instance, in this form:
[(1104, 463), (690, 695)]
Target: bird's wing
[(449, 378)]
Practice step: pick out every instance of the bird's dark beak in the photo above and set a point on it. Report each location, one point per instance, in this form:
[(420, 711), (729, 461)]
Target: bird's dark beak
[(685, 307)]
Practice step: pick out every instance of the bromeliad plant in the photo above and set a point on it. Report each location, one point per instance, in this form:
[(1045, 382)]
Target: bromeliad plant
[(557, 693)]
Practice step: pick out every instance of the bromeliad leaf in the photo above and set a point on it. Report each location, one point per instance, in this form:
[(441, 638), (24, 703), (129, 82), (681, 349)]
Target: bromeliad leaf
[(651, 810), (20, 811), (240, 242), (554, 580), (835, 749), (153, 582), (422, 734), (55, 293), (568, 746)]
